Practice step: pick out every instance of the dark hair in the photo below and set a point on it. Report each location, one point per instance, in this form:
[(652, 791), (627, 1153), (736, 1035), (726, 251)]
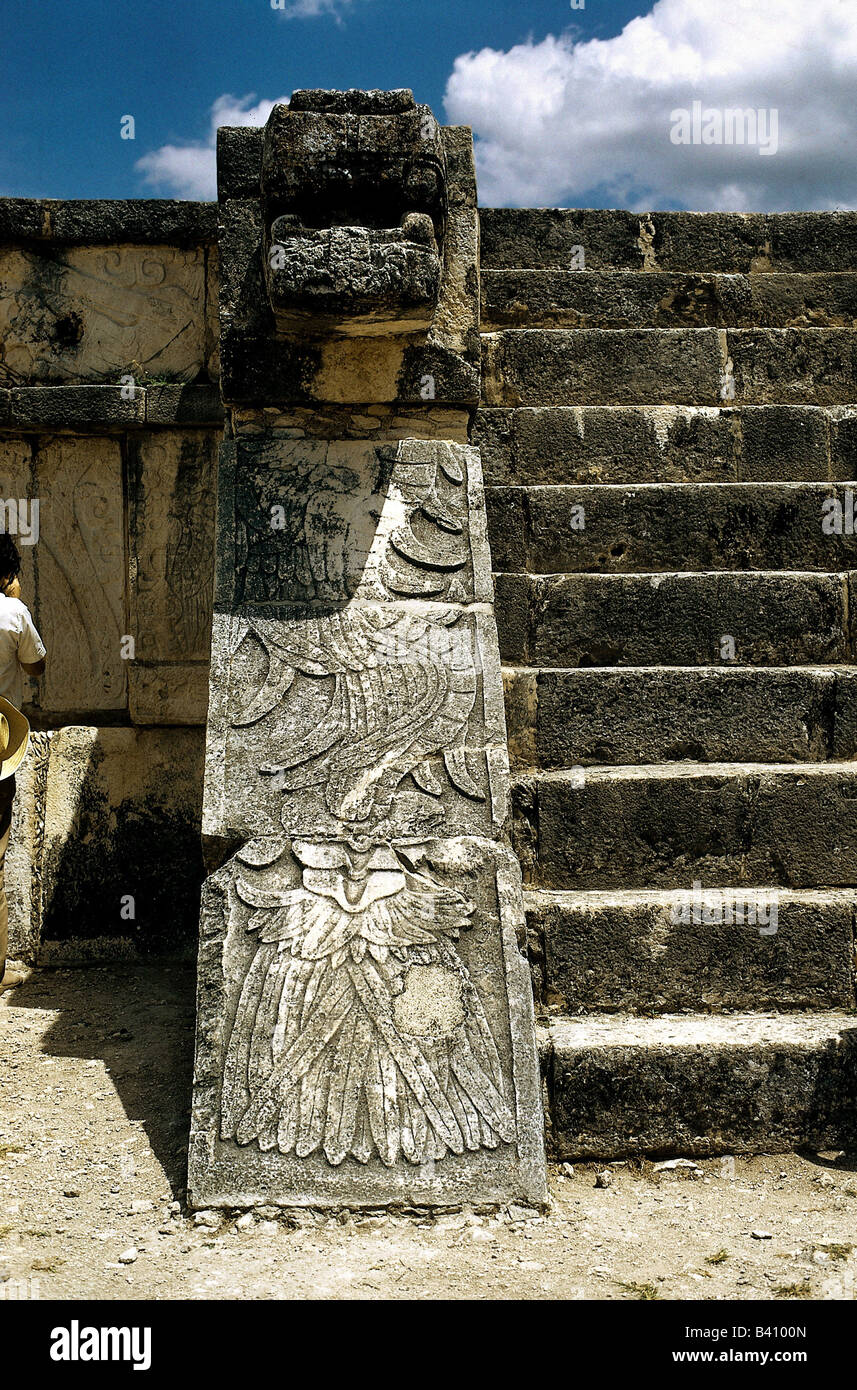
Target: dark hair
[(10, 559)]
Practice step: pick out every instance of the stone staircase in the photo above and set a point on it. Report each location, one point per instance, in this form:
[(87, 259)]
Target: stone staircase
[(662, 433)]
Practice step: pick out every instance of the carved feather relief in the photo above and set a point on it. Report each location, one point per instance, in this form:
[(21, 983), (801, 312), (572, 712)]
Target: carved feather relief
[(359, 1031), (402, 689)]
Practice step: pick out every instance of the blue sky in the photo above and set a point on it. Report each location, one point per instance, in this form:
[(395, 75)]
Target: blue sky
[(559, 119), (71, 68)]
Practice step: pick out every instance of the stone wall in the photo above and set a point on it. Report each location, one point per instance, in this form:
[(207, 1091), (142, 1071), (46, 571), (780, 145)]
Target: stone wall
[(110, 418), (98, 297)]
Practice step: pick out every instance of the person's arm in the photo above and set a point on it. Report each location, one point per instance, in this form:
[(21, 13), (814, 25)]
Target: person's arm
[(30, 637)]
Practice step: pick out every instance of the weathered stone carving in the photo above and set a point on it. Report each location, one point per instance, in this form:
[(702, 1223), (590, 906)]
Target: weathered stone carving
[(351, 275), (403, 691), (80, 564), (171, 527), (359, 1031), (355, 212), (92, 313), (365, 1029), (318, 520)]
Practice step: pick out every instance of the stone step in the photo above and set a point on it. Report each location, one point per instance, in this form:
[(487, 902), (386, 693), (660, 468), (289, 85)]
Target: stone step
[(559, 718), (667, 825), (626, 299), (726, 242), (667, 444), (669, 366), (649, 527), (665, 952), (725, 618), (700, 1084)]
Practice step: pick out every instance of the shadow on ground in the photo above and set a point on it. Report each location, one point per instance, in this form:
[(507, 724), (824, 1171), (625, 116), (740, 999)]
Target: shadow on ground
[(137, 1020)]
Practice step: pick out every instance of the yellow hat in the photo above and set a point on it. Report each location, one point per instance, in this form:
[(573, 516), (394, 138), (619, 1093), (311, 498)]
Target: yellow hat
[(14, 738)]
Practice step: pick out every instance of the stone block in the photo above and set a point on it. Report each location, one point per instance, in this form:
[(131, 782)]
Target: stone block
[(661, 527), (279, 683), (783, 443), (611, 444), (627, 299), (239, 161), (682, 1084), (180, 404), (548, 238), (309, 519), (92, 314), (409, 1076), (107, 221), (843, 442), (793, 366), (664, 714), (77, 407), (24, 856), (661, 952), (122, 854), (80, 558), (172, 519), (677, 620), (672, 366), (723, 824), (168, 692)]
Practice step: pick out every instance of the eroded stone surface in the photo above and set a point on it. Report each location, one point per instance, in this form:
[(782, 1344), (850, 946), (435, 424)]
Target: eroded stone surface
[(80, 557), (25, 852), (121, 853), (168, 692), (365, 1028), (93, 313), (172, 516)]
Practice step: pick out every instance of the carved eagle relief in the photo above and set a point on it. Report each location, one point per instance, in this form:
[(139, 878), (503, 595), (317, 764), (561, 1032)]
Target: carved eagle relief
[(402, 688), (359, 1031)]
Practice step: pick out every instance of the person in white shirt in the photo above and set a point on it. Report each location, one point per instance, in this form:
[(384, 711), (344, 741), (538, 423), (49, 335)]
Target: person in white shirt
[(22, 651)]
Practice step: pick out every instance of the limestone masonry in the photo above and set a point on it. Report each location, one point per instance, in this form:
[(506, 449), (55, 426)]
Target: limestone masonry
[(257, 432)]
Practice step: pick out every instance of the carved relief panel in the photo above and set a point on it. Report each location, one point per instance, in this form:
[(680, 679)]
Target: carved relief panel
[(365, 1022)]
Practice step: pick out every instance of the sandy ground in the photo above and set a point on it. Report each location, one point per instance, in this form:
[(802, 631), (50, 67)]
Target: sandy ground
[(94, 1096)]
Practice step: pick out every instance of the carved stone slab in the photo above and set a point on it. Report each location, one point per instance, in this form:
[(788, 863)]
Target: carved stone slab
[(364, 1028), (312, 519), (80, 562), (171, 530), (365, 1024), (93, 313), (369, 715), (349, 734), (324, 715)]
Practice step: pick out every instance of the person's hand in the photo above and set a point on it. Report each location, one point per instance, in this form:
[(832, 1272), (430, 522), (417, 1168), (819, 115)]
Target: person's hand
[(13, 589)]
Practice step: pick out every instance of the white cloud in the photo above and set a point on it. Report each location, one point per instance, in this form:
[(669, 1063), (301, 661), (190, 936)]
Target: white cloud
[(190, 170), (560, 118), (311, 9)]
